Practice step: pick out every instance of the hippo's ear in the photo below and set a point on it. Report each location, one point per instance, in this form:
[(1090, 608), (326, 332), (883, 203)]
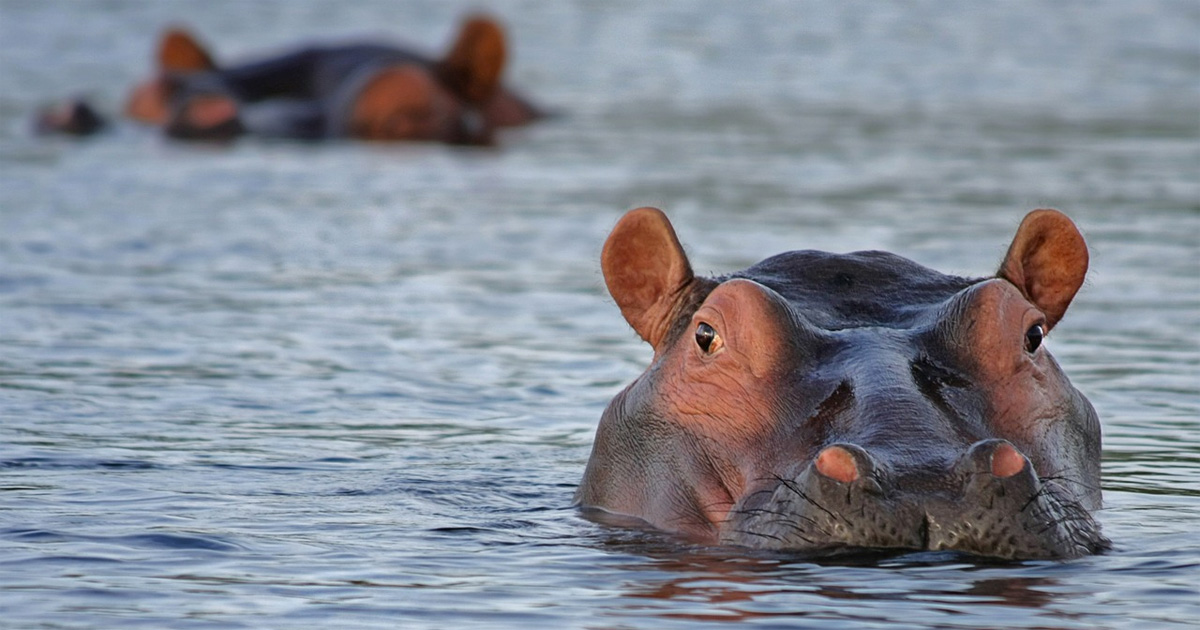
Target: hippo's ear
[(1047, 261), (180, 51), (475, 62), (646, 271)]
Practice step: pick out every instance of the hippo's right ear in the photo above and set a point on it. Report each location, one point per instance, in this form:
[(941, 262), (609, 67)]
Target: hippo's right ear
[(180, 51), (646, 271), (474, 64), (1047, 260)]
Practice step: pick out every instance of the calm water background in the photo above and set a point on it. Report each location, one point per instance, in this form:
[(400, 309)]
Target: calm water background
[(289, 386)]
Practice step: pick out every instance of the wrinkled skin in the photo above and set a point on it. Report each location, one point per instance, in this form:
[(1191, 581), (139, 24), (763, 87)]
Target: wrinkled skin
[(818, 402)]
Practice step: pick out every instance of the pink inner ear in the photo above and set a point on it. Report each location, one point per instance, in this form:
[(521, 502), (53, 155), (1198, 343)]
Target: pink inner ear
[(1047, 261), (646, 271)]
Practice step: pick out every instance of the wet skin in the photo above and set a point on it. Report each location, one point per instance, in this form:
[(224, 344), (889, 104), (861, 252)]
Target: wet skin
[(820, 402)]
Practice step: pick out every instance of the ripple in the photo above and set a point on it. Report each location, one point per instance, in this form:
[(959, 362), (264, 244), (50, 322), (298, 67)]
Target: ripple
[(77, 463)]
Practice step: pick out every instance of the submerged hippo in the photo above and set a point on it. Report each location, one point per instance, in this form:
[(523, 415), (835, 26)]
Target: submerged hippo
[(821, 402), (361, 90)]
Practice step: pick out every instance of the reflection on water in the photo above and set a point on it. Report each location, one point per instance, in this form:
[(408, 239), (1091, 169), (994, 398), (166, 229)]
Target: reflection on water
[(708, 585), (270, 384)]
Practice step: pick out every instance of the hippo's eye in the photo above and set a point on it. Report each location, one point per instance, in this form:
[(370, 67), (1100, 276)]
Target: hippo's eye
[(705, 336), (1033, 338)]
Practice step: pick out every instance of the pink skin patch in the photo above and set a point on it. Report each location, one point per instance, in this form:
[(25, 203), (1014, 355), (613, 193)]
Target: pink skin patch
[(837, 463), (206, 112), (1007, 461)]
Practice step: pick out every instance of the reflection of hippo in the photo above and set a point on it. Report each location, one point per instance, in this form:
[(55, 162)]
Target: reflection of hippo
[(817, 402), (361, 90)]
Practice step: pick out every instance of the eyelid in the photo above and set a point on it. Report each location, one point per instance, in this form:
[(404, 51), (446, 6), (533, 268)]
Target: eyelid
[(706, 314)]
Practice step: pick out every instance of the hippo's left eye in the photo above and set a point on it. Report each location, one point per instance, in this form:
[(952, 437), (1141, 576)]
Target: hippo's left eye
[(707, 338), (1033, 338)]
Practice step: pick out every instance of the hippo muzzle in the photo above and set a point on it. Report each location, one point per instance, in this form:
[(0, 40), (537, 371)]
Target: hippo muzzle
[(823, 403), (991, 503)]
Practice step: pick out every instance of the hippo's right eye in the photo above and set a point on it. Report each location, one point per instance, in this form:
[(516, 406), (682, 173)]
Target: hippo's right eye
[(707, 338)]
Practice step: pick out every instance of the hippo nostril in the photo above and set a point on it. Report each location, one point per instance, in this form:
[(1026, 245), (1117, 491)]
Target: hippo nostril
[(995, 459), (837, 463), (1007, 461)]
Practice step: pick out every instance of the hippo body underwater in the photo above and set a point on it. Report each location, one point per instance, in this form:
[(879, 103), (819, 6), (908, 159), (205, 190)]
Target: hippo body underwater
[(361, 90), (823, 403)]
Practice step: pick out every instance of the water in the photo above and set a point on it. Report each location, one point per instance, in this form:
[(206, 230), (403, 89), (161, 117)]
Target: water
[(281, 385)]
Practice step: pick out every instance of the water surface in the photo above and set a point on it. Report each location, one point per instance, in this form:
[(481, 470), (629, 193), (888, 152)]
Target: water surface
[(284, 385)]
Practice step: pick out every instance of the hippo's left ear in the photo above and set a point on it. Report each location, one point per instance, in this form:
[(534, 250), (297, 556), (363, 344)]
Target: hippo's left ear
[(1047, 260), (646, 271)]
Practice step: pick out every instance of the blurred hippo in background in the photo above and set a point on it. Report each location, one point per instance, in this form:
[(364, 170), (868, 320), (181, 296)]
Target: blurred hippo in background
[(824, 403), (367, 91)]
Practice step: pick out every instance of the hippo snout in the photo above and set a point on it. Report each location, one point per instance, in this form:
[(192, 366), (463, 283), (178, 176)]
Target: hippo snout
[(989, 502)]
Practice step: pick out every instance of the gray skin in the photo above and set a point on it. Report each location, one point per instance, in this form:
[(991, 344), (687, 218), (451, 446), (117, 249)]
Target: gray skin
[(819, 402)]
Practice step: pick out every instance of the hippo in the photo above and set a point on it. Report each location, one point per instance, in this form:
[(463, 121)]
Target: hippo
[(362, 90), (821, 403)]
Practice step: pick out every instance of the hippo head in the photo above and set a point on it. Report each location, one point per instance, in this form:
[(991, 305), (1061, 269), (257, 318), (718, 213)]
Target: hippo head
[(444, 102), (819, 403), (179, 54)]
